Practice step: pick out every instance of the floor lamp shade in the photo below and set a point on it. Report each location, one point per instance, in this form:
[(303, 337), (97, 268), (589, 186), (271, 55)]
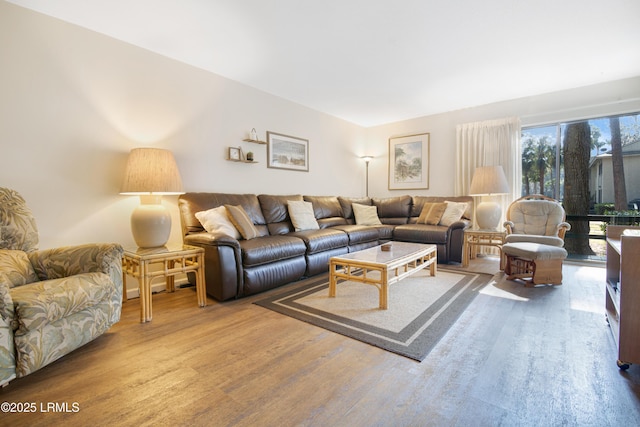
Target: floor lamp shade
[(488, 181), (151, 173)]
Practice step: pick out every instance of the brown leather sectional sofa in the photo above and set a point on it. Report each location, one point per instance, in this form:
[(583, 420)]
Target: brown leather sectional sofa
[(236, 268)]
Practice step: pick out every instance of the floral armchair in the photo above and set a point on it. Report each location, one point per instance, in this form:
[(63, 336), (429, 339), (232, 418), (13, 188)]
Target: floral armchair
[(51, 301)]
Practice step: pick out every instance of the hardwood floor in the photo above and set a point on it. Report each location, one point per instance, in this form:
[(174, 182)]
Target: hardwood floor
[(518, 356)]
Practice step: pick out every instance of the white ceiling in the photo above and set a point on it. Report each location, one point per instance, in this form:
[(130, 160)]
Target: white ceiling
[(378, 61)]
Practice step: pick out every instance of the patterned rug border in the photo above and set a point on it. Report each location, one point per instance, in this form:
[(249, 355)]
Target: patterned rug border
[(414, 341)]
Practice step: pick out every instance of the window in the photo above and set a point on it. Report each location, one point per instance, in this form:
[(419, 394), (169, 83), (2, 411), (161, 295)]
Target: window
[(584, 164)]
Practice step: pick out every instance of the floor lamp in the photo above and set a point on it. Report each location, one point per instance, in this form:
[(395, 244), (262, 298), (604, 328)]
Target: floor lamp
[(151, 173), (367, 159), (488, 181)]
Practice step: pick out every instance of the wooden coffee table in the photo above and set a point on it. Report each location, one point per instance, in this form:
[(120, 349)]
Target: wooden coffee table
[(404, 259)]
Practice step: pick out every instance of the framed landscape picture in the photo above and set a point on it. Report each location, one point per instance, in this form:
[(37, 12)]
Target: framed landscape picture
[(287, 152), (409, 162)]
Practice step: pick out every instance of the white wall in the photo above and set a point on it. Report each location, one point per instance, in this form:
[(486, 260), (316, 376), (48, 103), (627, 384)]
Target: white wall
[(616, 97), (73, 103)]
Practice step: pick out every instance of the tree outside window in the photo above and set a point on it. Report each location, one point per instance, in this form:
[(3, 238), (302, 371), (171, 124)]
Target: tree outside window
[(593, 168)]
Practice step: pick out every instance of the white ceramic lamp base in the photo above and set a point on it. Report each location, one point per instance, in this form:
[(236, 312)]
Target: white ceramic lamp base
[(150, 223), (488, 215)]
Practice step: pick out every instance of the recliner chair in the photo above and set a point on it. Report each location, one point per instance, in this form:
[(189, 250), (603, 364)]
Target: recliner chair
[(51, 301), (533, 248)]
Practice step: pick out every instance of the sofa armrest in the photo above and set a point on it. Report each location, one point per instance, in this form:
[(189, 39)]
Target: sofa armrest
[(223, 260), (211, 239), (71, 260), (6, 302), (463, 224), (455, 240), (7, 352)]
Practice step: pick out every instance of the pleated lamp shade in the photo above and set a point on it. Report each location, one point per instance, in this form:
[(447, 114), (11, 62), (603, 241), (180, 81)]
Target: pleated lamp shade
[(150, 174), (487, 181)]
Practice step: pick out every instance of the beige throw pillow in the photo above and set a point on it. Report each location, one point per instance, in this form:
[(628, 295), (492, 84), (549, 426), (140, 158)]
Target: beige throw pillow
[(453, 213), (242, 222), (431, 213), (366, 215), (217, 220), (302, 216)]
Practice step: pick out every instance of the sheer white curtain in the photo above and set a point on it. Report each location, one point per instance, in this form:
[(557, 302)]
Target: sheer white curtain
[(489, 143)]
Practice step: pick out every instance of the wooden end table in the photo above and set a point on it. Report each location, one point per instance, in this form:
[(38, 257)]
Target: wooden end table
[(474, 238), (145, 264), (404, 259)]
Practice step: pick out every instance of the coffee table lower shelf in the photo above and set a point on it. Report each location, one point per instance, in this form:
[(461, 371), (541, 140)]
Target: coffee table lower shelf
[(390, 267)]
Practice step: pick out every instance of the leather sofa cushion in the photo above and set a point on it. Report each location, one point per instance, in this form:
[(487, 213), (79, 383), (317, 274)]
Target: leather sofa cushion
[(322, 240), (393, 210), (325, 206), (421, 233), (385, 231), (359, 233), (332, 221), (267, 276), (268, 249), (328, 210)]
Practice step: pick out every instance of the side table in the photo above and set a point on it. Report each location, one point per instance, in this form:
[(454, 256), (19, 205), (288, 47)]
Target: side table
[(474, 238), (170, 260)]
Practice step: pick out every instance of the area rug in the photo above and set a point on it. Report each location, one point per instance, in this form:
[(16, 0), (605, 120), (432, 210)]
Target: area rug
[(421, 309)]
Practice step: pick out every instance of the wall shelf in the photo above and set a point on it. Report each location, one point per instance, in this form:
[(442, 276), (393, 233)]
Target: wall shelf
[(242, 161), (255, 141)]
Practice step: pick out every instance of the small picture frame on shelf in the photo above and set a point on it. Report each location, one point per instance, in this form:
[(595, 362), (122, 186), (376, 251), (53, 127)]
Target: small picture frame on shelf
[(235, 153)]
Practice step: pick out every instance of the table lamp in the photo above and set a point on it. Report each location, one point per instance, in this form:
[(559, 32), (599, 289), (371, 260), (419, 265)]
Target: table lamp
[(488, 181), (151, 173)]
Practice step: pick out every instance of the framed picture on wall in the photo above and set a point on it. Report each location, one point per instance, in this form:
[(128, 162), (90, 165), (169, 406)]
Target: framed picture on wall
[(409, 162), (234, 153), (287, 152)]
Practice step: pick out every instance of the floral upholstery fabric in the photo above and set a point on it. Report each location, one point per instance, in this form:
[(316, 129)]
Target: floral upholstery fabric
[(51, 301), (16, 268), (7, 350), (18, 228), (52, 317), (39, 347)]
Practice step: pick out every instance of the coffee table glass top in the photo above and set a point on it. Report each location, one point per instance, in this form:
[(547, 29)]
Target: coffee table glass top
[(377, 256)]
